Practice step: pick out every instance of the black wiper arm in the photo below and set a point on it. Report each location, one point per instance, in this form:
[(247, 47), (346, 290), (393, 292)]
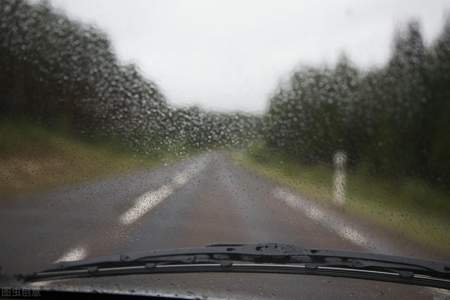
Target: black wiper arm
[(260, 258)]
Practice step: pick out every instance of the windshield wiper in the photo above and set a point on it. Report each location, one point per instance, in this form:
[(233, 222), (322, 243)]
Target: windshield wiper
[(258, 258)]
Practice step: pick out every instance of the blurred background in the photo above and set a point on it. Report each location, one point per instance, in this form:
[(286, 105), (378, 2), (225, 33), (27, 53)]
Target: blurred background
[(94, 88)]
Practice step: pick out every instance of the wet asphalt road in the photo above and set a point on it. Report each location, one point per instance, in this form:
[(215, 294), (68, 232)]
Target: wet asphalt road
[(202, 200)]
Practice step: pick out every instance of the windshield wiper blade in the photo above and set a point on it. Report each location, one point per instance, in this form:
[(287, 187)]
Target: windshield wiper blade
[(258, 258)]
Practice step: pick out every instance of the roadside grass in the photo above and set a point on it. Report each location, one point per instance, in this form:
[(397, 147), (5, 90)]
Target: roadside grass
[(409, 206), (34, 158)]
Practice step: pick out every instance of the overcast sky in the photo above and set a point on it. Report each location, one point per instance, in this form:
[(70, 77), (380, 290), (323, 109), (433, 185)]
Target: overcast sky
[(230, 54)]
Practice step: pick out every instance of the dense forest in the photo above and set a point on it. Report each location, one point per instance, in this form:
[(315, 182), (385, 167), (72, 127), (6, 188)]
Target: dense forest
[(53, 69), (392, 120)]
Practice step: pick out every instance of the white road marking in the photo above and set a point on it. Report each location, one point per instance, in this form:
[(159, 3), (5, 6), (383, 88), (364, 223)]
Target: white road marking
[(351, 234), (144, 203), (181, 179), (39, 284), (330, 221), (74, 254)]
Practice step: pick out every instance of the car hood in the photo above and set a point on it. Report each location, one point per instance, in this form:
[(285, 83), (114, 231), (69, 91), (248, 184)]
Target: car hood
[(235, 286)]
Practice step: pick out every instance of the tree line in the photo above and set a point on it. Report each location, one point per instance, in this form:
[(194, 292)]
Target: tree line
[(391, 120), (54, 68)]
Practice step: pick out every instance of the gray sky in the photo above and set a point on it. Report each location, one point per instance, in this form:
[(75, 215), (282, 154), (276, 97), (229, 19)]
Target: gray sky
[(230, 54)]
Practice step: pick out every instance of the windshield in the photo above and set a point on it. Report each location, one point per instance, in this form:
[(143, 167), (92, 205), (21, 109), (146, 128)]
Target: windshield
[(141, 125)]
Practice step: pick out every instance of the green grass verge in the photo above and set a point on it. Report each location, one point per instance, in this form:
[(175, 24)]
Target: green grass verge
[(410, 206), (35, 158)]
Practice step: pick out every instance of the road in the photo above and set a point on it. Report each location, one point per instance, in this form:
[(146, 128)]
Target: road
[(198, 201)]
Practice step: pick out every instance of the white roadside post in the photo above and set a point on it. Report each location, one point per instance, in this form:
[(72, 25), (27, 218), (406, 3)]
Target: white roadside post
[(339, 177)]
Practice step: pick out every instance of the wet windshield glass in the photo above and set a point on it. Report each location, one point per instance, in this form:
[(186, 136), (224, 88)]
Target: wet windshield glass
[(132, 126)]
